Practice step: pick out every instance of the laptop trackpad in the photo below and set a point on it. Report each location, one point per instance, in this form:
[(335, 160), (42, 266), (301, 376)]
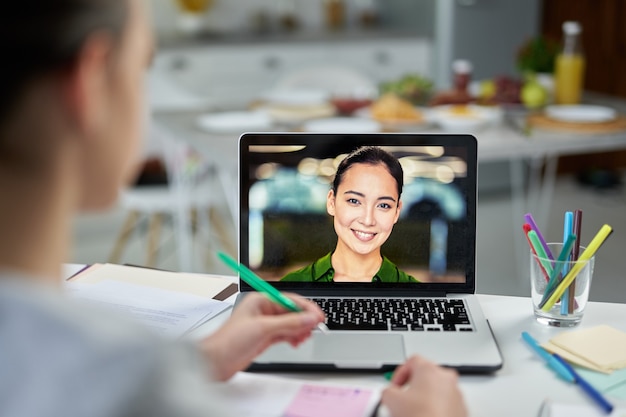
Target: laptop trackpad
[(349, 350)]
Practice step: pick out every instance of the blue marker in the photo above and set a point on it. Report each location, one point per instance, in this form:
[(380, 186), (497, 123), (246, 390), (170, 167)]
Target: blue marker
[(593, 393), (552, 362), (568, 225)]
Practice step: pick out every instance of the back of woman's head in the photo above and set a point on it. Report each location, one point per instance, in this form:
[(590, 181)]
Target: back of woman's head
[(372, 155), (39, 37)]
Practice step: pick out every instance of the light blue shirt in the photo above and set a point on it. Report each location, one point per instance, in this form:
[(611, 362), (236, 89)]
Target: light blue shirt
[(62, 358)]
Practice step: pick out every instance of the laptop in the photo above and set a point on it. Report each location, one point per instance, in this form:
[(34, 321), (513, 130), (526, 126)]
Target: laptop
[(425, 305)]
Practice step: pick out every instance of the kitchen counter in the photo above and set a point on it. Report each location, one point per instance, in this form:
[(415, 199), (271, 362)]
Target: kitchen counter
[(532, 157), (273, 37)]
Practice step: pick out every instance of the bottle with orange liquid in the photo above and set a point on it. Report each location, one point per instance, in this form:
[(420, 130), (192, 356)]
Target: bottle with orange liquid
[(569, 67)]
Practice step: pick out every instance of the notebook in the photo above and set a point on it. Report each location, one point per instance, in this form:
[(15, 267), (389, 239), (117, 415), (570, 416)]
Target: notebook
[(420, 297)]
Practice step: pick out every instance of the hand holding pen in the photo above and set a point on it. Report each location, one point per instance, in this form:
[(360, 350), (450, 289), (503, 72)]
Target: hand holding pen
[(263, 287), (256, 324)]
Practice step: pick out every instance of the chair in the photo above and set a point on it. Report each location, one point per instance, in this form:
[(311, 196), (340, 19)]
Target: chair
[(188, 202)]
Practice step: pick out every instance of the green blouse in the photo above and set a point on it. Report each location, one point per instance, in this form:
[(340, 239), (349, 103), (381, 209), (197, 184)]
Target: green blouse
[(323, 271)]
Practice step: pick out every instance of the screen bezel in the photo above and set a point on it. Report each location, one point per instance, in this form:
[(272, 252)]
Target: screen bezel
[(333, 140)]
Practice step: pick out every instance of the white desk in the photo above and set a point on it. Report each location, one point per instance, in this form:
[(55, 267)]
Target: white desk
[(519, 388)]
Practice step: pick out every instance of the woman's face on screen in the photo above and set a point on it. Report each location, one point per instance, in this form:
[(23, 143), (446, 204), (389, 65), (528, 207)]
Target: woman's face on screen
[(366, 207)]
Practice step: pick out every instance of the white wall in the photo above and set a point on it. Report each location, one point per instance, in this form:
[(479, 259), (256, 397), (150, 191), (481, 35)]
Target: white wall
[(489, 32)]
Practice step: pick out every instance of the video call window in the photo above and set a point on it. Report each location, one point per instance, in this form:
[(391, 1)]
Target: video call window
[(288, 226)]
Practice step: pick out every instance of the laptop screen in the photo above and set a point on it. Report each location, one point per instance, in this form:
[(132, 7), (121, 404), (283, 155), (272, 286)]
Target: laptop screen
[(305, 217)]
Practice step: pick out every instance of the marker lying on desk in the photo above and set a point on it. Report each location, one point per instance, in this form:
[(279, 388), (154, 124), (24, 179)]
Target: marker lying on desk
[(595, 395), (552, 362), (263, 287)]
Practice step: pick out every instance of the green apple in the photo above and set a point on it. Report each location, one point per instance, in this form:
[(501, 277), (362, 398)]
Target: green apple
[(534, 95)]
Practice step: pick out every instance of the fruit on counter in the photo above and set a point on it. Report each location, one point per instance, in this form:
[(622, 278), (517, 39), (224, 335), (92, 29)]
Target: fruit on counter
[(487, 89), (534, 95), (507, 91), (412, 87)]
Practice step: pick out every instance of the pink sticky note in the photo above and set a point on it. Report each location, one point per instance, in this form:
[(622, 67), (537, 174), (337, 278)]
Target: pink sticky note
[(327, 401)]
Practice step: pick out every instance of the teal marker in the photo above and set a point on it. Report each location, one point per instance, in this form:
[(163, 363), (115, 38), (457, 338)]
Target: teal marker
[(554, 277), (263, 287)]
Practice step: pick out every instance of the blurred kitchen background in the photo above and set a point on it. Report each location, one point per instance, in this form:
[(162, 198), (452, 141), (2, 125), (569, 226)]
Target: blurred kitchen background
[(218, 56)]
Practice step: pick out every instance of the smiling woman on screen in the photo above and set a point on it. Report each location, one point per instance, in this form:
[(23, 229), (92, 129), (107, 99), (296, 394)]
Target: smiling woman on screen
[(71, 111), (365, 204)]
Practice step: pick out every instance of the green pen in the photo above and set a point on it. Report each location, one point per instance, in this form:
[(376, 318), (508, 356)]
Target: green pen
[(263, 287)]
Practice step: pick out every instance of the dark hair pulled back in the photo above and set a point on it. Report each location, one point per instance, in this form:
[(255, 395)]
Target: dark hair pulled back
[(372, 155), (40, 36)]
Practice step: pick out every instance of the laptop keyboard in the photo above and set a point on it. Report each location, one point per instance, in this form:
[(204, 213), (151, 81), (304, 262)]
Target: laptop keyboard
[(397, 314)]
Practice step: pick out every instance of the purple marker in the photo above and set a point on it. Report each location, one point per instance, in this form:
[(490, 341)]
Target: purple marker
[(529, 219)]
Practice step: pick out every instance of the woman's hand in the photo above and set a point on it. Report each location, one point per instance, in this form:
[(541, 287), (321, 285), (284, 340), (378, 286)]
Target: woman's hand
[(255, 324), (420, 388)]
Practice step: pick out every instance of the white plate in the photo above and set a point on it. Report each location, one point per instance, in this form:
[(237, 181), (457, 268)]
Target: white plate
[(234, 122), (472, 118), (342, 125), (581, 113)]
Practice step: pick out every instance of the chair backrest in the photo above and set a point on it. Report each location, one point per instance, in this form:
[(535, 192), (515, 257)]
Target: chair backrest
[(189, 185), (184, 165)]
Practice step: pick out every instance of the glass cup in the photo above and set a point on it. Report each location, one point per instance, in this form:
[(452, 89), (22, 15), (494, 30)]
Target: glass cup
[(568, 310)]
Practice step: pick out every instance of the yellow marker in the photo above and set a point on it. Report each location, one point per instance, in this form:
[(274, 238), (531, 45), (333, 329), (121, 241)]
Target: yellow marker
[(594, 245)]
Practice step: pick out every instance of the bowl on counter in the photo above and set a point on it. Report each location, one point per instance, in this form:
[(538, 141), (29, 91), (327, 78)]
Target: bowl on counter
[(346, 106), (295, 106)]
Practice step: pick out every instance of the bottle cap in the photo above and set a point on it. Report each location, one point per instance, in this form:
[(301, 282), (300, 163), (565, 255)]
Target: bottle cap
[(572, 28), (462, 66)]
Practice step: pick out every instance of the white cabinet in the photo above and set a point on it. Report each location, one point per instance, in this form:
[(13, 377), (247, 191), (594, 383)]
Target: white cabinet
[(234, 74), (383, 60)]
